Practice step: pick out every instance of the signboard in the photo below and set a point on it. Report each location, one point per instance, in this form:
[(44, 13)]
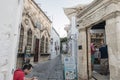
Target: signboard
[(69, 69)]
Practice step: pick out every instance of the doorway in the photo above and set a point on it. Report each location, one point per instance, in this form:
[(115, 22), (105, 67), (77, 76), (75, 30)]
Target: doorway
[(100, 68), (36, 54)]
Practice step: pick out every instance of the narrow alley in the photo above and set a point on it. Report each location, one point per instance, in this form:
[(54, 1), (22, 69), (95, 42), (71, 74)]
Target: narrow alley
[(50, 70), (60, 40)]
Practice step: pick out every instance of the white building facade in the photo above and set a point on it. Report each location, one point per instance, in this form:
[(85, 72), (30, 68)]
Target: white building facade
[(72, 31), (55, 44), (10, 20)]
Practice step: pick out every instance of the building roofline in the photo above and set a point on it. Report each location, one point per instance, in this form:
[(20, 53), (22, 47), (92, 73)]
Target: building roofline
[(89, 7), (55, 31), (41, 10)]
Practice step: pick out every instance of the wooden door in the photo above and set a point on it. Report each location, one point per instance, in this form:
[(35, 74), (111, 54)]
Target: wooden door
[(36, 56)]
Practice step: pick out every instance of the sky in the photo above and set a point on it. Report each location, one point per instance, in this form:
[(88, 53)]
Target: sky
[(54, 10)]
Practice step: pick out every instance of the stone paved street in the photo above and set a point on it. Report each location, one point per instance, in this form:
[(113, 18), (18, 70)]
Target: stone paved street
[(97, 75), (50, 70)]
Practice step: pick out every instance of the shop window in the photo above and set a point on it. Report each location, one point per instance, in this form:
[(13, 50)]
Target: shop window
[(96, 38), (56, 46), (46, 45), (42, 45), (20, 49), (29, 41)]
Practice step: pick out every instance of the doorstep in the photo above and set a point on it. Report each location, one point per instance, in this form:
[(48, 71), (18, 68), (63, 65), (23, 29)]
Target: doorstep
[(98, 76)]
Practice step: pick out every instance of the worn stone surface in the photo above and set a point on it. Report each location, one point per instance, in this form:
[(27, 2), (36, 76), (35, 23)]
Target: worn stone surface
[(10, 18), (50, 70), (110, 13)]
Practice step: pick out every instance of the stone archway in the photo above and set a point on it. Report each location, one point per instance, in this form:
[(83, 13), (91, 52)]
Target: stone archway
[(46, 35), (44, 45), (98, 11)]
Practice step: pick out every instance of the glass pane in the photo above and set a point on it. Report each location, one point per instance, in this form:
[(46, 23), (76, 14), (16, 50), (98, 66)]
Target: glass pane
[(21, 40)]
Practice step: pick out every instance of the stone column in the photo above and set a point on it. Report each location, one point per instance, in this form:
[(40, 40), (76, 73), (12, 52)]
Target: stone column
[(113, 41), (89, 52), (82, 55)]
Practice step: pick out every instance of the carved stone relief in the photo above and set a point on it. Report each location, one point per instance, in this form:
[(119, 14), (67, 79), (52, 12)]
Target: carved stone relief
[(94, 17)]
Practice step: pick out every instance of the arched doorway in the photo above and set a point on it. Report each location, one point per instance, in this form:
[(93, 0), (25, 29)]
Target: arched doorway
[(28, 47), (44, 47), (36, 54)]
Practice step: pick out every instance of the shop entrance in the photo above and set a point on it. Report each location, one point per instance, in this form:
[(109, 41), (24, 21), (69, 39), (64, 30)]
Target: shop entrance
[(99, 51)]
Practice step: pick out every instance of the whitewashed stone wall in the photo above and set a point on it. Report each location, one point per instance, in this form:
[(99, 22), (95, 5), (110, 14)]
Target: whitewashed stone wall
[(10, 19), (56, 39)]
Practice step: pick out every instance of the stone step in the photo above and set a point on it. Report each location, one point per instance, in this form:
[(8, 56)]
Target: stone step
[(98, 76)]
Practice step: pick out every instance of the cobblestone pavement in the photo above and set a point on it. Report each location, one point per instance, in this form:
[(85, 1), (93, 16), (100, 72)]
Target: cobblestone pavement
[(50, 70), (97, 75)]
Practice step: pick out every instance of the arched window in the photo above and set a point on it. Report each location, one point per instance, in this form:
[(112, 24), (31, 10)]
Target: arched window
[(42, 45), (29, 41), (46, 45), (20, 49)]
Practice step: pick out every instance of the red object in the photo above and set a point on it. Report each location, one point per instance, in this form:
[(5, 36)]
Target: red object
[(92, 49), (18, 75)]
